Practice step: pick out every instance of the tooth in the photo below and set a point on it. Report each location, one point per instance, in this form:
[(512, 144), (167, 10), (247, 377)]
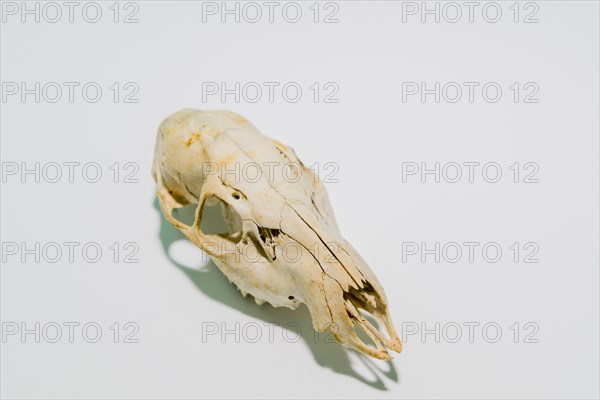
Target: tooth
[(366, 326)]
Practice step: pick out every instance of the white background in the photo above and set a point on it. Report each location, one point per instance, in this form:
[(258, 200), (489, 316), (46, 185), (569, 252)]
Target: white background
[(369, 133)]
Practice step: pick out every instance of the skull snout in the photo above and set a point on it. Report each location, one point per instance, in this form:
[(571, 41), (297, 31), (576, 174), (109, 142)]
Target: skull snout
[(349, 293)]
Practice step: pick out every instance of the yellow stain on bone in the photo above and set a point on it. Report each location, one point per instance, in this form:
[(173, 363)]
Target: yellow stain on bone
[(195, 136)]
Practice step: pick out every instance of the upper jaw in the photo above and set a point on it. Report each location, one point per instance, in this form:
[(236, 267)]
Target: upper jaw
[(346, 290)]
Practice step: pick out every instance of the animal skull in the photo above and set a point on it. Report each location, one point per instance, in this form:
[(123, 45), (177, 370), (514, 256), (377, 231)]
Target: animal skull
[(283, 245)]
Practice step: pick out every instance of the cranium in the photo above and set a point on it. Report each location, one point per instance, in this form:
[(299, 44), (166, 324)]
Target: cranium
[(283, 245)]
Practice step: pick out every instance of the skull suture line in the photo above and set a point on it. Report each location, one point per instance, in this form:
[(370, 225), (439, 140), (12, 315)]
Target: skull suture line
[(268, 213)]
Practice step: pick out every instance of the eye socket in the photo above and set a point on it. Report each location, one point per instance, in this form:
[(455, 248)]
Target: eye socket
[(235, 196), (218, 218), (291, 297)]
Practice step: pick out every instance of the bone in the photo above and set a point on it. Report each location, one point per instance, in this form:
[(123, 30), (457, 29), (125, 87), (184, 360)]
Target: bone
[(283, 245)]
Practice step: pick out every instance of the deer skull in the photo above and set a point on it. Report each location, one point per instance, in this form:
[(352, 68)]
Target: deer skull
[(282, 245)]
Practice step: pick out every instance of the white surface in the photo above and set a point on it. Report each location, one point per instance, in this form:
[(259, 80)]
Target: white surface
[(369, 133)]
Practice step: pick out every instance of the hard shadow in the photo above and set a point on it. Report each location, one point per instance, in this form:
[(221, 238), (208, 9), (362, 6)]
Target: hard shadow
[(326, 351)]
